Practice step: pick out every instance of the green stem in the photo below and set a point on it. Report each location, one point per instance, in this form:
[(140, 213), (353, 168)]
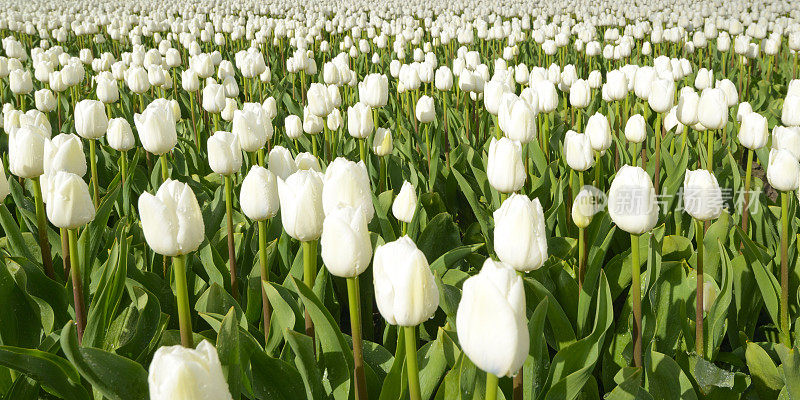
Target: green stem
[(41, 228), (747, 177), (784, 309), (77, 284), (164, 167), (182, 297), (381, 174), (710, 151), (362, 149), (698, 309), (93, 165), (581, 257), (231, 248), (411, 362), (309, 276), (262, 258), (491, 386), (353, 298), (636, 282)]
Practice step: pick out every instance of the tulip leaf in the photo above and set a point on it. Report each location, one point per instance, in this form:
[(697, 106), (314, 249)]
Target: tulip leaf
[(439, 236), (767, 381), (791, 369), (664, 379), (109, 293), (14, 239), (55, 374), (230, 352), (303, 349), (336, 356), (116, 377), (274, 379)]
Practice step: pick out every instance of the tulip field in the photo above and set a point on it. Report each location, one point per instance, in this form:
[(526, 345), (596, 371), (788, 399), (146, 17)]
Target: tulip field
[(353, 200)]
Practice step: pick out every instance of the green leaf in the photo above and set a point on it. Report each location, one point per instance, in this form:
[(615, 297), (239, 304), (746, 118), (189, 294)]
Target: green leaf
[(766, 379), (303, 349), (116, 377), (665, 380), (791, 369), (229, 352), (55, 374)]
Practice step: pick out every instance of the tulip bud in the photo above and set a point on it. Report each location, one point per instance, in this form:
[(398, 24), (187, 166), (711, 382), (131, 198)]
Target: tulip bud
[(374, 90), (156, 128), (491, 322), (783, 170), (505, 170), (90, 119), (181, 373), (518, 119), (293, 126), (617, 85), (425, 110), (787, 139), (753, 131), (632, 201), (20, 81), (729, 89), (281, 162), (69, 204), (45, 100), (213, 98), (587, 203), (346, 183), (382, 143), (709, 296), (578, 151), (189, 81), (635, 129), (519, 233), (259, 194), (319, 100), (405, 290), (790, 115), (171, 220), (136, 79), (270, 108), (548, 97), (251, 126), (64, 153), (5, 190), (662, 95), (405, 204), (224, 153), (702, 196), (712, 110), (26, 151), (444, 79), (107, 88), (359, 121), (345, 242), (301, 205), (580, 94), (492, 94), (599, 132)]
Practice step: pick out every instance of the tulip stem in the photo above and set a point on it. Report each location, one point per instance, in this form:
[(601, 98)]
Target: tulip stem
[(657, 174), (231, 248), (636, 295), (194, 125), (581, 257), (710, 159), (77, 284), (698, 309), (353, 298), (491, 386), (93, 165), (747, 178), (309, 276), (164, 167), (41, 227), (381, 174), (262, 258), (411, 362), (785, 335), (182, 297), (65, 252), (362, 149)]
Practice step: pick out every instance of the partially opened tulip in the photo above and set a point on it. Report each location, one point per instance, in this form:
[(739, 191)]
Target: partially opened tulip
[(91, 123), (302, 216), (346, 184), (181, 373), (225, 158), (156, 129), (26, 160), (69, 207), (520, 237), (346, 251), (633, 208), (702, 199), (492, 324), (406, 295), (505, 170), (259, 202), (173, 226)]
